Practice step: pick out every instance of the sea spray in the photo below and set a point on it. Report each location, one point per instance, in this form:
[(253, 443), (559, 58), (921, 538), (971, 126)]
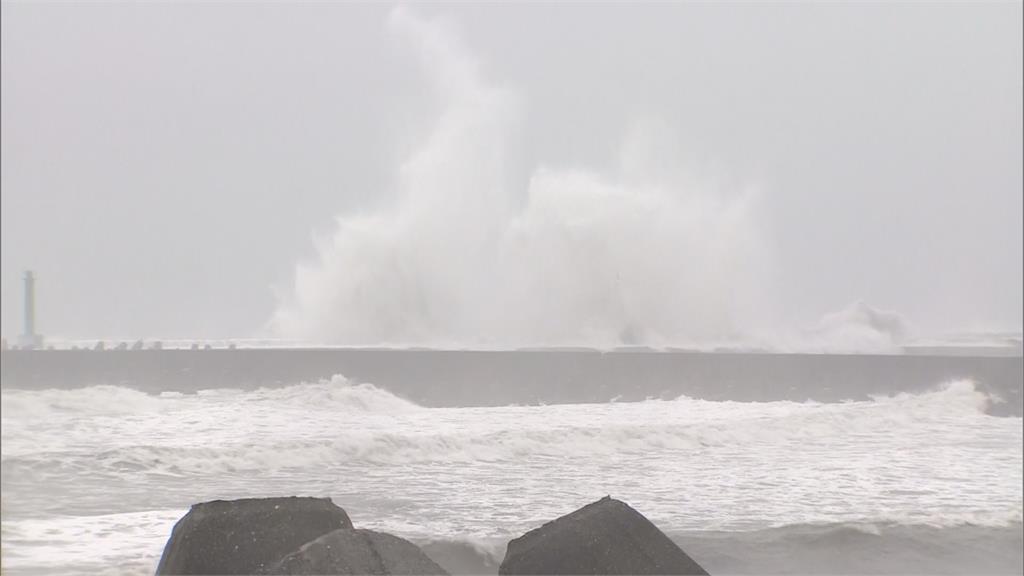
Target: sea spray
[(578, 258)]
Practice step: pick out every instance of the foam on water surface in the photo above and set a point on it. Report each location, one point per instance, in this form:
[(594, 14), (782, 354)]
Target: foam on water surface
[(107, 464)]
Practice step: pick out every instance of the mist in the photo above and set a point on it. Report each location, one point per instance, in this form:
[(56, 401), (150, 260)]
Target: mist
[(664, 176)]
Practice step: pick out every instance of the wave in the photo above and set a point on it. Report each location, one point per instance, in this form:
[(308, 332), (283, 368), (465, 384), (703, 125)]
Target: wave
[(339, 394), (856, 329), (331, 394), (336, 422), (102, 399), (464, 258)]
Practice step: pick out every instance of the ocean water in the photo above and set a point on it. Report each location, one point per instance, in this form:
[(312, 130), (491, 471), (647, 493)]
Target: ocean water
[(94, 478)]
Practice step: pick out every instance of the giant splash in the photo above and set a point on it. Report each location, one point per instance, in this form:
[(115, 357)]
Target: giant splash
[(580, 257)]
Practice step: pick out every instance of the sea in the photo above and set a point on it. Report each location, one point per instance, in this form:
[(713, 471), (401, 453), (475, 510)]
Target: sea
[(926, 482)]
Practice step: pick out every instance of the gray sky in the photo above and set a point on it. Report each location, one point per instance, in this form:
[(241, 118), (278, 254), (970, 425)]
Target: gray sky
[(166, 166)]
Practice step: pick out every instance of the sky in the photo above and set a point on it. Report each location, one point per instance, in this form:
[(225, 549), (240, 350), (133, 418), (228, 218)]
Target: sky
[(509, 174)]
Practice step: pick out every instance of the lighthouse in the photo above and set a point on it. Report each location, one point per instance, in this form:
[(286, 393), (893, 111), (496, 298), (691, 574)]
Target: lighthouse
[(29, 339)]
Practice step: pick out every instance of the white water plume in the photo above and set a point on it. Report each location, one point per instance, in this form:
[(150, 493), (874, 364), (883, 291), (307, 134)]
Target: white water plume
[(580, 258)]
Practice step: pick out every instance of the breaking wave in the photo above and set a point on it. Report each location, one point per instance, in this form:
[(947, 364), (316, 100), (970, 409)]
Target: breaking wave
[(578, 258), (856, 328), (335, 421), (336, 394), (927, 459)]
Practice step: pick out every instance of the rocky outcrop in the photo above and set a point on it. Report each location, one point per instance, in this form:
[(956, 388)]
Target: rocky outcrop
[(246, 536), (357, 552), (604, 537)]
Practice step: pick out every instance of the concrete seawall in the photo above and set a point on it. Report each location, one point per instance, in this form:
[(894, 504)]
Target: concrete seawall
[(485, 378)]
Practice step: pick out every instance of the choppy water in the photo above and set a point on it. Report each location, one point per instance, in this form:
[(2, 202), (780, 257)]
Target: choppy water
[(94, 478)]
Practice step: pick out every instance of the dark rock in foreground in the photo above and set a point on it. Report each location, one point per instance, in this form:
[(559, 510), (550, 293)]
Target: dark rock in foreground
[(462, 557), (605, 537), (246, 536), (357, 552)]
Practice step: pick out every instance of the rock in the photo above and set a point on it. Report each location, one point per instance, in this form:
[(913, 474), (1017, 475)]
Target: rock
[(604, 537), (357, 552), (463, 557), (244, 536)]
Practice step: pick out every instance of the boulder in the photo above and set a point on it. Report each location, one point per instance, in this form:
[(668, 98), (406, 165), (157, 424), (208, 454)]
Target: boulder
[(357, 552), (244, 536), (604, 537), (464, 557)]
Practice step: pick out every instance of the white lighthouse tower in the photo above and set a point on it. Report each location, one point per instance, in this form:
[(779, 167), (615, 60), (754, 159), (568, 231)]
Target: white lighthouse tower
[(29, 339)]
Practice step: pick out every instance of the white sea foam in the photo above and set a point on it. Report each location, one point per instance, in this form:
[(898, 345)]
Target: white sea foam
[(73, 460), (122, 543), (342, 421)]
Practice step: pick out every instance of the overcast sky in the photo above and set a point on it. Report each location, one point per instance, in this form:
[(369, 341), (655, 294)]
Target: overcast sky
[(166, 166)]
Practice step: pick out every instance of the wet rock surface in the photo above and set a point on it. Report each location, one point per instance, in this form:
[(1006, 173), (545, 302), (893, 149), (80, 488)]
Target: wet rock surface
[(246, 536), (604, 537), (357, 552)]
